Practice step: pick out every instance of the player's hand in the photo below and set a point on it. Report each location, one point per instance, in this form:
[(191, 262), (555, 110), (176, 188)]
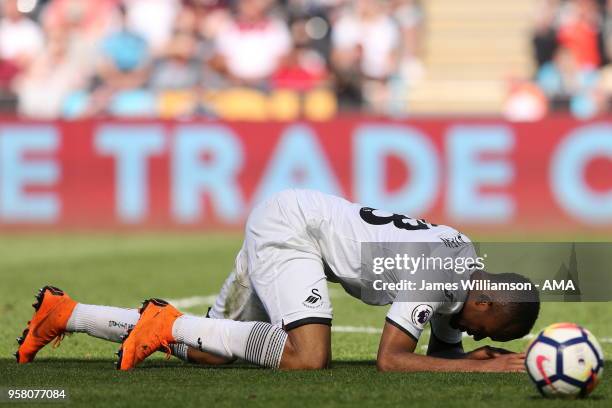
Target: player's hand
[(505, 363), (486, 352)]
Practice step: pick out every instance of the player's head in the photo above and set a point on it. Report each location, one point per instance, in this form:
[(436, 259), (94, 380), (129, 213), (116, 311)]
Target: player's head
[(502, 315)]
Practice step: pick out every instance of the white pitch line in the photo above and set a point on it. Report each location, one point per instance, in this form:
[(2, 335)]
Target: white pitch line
[(356, 329), (194, 301)]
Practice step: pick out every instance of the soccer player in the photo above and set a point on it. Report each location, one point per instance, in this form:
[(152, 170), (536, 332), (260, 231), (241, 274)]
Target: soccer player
[(274, 309)]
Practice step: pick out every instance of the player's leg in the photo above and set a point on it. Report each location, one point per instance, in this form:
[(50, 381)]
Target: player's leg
[(286, 274), (215, 341), (295, 298), (307, 347), (103, 322), (261, 343), (236, 301), (55, 314)]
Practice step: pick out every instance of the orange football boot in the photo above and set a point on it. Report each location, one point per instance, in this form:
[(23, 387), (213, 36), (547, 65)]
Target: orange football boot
[(53, 308), (152, 332)]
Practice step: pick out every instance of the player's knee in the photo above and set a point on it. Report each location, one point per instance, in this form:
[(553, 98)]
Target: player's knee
[(304, 359), (315, 361), (304, 362), (314, 365), (308, 347)]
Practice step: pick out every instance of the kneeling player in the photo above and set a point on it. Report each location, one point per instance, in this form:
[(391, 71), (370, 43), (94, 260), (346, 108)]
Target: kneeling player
[(274, 308)]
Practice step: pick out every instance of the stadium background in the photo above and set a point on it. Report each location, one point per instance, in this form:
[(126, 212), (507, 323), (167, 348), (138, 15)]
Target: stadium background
[(135, 135), (182, 114)]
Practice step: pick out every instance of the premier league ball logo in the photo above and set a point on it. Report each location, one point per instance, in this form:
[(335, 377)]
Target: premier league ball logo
[(421, 315)]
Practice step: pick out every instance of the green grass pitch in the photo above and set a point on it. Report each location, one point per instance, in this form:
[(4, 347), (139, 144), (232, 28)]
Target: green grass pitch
[(123, 270)]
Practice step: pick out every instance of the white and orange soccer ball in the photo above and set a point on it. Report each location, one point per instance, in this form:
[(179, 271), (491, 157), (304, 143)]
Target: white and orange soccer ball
[(565, 361)]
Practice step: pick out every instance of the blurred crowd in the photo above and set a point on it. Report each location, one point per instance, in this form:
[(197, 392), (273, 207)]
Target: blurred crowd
[(269, 59), (236, 59), (572, 48)]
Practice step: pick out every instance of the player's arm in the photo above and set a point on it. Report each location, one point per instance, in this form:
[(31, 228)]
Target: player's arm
[(439, 348), (396, 353), (442, 349), (445, 342)]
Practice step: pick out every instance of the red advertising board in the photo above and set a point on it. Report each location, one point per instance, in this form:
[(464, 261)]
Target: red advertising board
[(474, 173)]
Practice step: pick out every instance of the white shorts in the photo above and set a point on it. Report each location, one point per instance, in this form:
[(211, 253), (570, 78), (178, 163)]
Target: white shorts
[(279, 274)]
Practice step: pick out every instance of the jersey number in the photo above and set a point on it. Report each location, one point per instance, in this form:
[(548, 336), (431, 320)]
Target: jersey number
[(399, 220)]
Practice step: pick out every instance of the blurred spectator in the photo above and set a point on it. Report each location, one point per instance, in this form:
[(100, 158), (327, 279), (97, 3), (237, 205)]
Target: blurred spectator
[(212, 16), (409, 15), (52, 76), (561, 77), (185, 57), (153, 20), (606, 86), (177, 76), (570, 46), (8, 99), (20, 41), (366, 45), (607, 31), (89, 19), (124, 57), (606, 74), (123, 66), (544, 39), (251, 46), (579, 32), (20, 38), (568, 83), (316, 15), (304, 68), (84, 24)]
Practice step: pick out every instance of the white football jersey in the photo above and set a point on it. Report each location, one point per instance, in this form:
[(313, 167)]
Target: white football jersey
[(340, 228)]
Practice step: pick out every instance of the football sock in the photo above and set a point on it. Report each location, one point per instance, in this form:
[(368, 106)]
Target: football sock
[(180, 350), (256, 342), (104, 322)]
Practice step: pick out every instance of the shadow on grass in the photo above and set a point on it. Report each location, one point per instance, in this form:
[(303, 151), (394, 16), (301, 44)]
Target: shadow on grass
[(596, 397), (174, 363), (161, 363), (109, 363)]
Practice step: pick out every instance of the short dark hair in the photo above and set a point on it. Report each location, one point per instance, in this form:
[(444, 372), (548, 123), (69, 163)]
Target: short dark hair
[(519, 307)]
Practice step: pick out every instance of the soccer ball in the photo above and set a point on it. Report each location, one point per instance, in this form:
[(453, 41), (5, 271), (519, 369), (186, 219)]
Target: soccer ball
[(565, 361)]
